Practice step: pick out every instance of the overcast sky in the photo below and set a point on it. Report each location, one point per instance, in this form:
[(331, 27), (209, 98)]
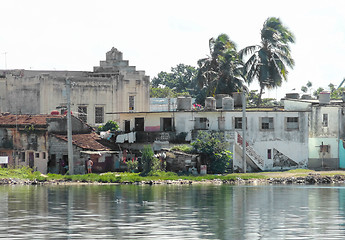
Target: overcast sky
[(157, 35)]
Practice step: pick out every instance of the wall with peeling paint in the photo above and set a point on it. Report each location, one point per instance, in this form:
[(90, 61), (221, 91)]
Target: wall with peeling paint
[(110, 86)]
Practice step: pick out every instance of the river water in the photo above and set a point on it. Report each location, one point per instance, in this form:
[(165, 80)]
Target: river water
[(172, 212)]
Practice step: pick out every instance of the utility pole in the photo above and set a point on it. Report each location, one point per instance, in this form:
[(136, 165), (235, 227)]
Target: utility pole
[(244, 126), (69, 128)]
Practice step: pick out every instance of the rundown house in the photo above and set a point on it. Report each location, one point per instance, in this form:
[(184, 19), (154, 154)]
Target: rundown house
[(114, 86), (276, 138), (39, 142), (24, 140), (326, 130), (84, 146)]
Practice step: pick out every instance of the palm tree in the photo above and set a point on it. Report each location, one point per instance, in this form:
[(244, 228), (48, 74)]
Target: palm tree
[(221, 71), (268, 61)]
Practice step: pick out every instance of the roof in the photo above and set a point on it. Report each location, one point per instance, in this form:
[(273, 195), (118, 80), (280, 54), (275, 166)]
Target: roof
[(26, 119), (87, 141)]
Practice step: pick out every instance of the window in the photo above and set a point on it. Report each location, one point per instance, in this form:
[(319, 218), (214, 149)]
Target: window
[(267, 123), (131, 103), (44, 155), (238, 123), (99, 114), (325, 120), (221, 123), (22, 156), (269, 153), (201, 123), (292, 123), (325, 148), (37, 155), (166, 124), (82, 113)]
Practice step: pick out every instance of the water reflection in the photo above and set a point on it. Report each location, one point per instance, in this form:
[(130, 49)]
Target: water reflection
[(172, 212)]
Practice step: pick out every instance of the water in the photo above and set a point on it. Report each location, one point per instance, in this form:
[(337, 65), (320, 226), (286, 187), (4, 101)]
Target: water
[(172, 212)]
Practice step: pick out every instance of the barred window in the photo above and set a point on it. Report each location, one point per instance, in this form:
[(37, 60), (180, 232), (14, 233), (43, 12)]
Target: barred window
[(82, 113), (131, 103), (267, 123), (325, 120), (99, 114), (292, 123)]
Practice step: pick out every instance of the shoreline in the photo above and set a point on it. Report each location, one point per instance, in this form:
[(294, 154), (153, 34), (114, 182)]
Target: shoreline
[(312, 178)]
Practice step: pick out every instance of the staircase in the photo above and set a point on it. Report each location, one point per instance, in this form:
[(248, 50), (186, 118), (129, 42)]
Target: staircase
[(253, 159)]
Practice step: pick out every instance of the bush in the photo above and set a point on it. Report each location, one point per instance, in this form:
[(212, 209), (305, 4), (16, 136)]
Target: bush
[(110, 125), (132, 166), (148, 161), (183, 148), (214, 147)]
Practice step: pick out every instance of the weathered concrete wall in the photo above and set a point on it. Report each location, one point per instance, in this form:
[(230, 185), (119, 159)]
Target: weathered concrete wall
[(110, 86), (59, 125), (28, 148), (59, 149), (287, 147)]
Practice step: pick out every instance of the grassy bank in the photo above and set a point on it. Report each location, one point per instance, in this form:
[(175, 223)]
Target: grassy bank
[(115, 177)]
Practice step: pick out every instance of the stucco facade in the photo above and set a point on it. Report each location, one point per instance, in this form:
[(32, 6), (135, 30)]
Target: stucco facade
[(326, 132), (114, 86), (275, 139)]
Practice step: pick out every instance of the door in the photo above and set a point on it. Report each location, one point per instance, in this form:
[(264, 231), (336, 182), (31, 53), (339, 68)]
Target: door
[(31, 160), (139, 124), (127, 126)]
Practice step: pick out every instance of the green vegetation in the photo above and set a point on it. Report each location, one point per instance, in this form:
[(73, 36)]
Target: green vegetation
[(213, 147), (149, 162), (222, 71), (179, 82), (115, 177), (183, 148), (267, 63), (19, 173), (110, 125)]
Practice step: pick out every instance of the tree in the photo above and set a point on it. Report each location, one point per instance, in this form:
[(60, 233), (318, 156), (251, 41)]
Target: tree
[(317, 92), (162, 92), (253, 98), (268, 61), (149, 161), (221, 71), (110, 125), (214, 147), (181, 80)]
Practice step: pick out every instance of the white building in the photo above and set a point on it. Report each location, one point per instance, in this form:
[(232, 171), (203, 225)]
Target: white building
[(326, 130), (114, 86), (276, 138)]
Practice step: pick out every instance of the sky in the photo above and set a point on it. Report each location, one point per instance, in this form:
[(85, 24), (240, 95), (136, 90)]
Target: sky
[(155, 35)]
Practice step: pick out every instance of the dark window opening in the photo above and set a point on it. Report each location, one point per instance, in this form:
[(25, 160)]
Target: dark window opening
[(166, 124)]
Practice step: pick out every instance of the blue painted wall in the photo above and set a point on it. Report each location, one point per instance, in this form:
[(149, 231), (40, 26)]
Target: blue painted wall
[(341, 154)]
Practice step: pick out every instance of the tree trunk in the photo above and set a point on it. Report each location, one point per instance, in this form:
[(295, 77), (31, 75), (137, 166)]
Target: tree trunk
[(260, 96)]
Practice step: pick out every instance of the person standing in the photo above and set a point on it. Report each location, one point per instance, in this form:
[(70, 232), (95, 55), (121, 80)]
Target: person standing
[(89, 165)]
